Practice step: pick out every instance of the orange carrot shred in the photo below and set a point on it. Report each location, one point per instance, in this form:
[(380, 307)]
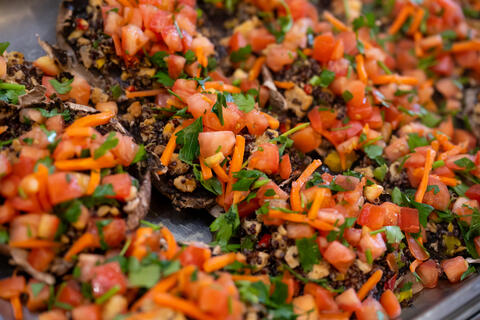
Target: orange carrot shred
[(395, 78), (418, 38), (321, 225), (184, 306), (250, 278), (284, 84), (87, 240), (206, 171), (202, 59), (422, 188), (295, 201), (17, 308), (85, 164), (369, 284), (219, 262), (417, 20), (471, 45), (172, 247), (256, 69), (405, 12), (317, 203), (362, 73), (126, 3), (33, 243), (220, 172), (94, 181), (334, 21), (162, 286), (170, 148), (92, 120), (144, 93), (80, 132), (273, 122)]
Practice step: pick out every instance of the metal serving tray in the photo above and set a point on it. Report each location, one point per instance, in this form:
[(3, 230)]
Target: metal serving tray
[(23, 21)]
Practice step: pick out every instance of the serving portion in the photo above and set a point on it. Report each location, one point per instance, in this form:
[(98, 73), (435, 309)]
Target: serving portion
[(336, 147)]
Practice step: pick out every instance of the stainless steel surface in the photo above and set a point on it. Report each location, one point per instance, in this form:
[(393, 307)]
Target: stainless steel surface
[(20, 23)]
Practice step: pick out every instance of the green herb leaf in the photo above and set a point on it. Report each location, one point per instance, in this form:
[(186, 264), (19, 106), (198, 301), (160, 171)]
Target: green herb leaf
[(4, 46), (225, 227), (241, 54), (308, 252), (347, 95), (116, 91), (469, 271), (190, 57), (188, 139), (107, 295), (244, 102), (37, 288), (415, 141), (140, 155), (213, 184), (324, 80), (158, 59), (63, 87), (245, 179), (4, 237), (110, 143), (164, 78), (465, 163), (145, 276), (52, 113)]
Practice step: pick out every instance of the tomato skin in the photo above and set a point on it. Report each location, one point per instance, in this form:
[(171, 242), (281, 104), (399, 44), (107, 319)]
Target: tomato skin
[(454, 268), (11, 287), (339, 256), (348, 300), (265, 158), (40, 258), (279, 56), (323, 46), (133, 39), (121, 183), (70, 294), (62, 187), (415, 249), (299, 230), (193, 255), (39, 301), (23, 166), (285, 167), (408, 220), (106, 277), (126, 149), (306, 140), (88, 311), (428, 272), (371, 216), (473, 192), (390, 304)]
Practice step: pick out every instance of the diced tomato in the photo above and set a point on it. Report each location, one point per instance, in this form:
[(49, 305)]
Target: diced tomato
[(56, 314), (256, 122), (175, 65), (40, 258), (339, 256), (114, 232), (214, 300), (172, 38), (323, 297), (70, 294), (246, 208), (375, 120), (323, 46), (428, 272), (438, 197), (260, 38), (374, 243), (30, 204), (218, 141), (126, 149), (444, 65), (121, 183), (306, 140), (12, 287), (299, 230), (370, 310), (303, 306), (47, 65), (48, 226), (199, 104), (465, 208), (461, 136), (473, 192), (357, 89), (7, 212), (133, 39), (360, 112), (416, 250), (80, 90), (87, 311), (50, 90), (285, 167), (112, 23), (279, 56), (339, 66), (5, 166), (184, 88), (450, 162), (454, 268), (38, 301), (392, 211), (106, 277), (62, 187), (193, 255), (390, 304), (237, 41), (348, 300), (265, 158), (349, 40), (352, 236), (321, 120), (23, 166), (278, 192), (24, 227), (55, 123), (408, 220), (372, 216)]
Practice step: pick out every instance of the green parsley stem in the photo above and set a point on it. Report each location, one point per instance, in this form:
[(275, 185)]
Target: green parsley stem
[(107, 295), (384, 67), (293, 130), (341, 128), (11, 86)]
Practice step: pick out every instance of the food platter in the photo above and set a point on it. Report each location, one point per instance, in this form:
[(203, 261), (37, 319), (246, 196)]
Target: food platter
[(38, 18)]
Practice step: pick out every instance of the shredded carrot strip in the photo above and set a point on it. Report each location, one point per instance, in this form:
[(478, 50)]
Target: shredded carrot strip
[(413, 266), (273, 122), (418, 38), (443, 139), (206, 171), (162, 286), (457, 149), (125, 3), (472, 45), (435, 145), (230, 88), (184, 276), (256, 69), (295, 201), (184, 306), (202, 59), (292, 217), (17, 308), (85, 164), (362, 73), (321, 225), (451, 182), (422, 188), (220, 172), (172, 247), (237, 160), (170, 148), (284, 84), (174, 102), (395, 78), (92, 120), (369, 284), (42, 177), (431, 42), (80, 132), (33, 243), (417, 20), (241, 277), (334, 21), (317, 203), (144, 93), (94, 181), (307, 51), (400, 20), (87, 240), (218, 262)]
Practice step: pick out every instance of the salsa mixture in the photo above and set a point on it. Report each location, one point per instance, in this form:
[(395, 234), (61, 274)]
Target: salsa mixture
[(335, 143)]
